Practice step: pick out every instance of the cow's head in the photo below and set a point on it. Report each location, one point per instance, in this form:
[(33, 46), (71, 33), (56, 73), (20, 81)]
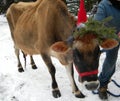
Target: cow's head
[(84, 53)]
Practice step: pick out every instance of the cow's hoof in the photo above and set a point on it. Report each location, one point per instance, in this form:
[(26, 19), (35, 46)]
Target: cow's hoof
[(56, 93), (80, 95), (20, 70), (34, 67)]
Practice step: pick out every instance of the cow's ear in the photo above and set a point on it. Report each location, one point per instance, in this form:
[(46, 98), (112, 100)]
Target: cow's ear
[(60, 46), (109, 43)]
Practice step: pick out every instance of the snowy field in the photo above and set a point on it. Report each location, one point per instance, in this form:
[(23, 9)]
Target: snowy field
[(35, 85)]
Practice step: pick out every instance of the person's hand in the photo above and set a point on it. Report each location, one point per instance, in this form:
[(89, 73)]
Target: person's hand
[(119, 34)]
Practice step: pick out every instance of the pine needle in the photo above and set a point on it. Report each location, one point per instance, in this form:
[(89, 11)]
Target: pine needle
[(98, 28)]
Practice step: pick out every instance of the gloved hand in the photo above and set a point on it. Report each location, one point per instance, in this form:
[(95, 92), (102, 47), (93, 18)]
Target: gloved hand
[(119, 34)]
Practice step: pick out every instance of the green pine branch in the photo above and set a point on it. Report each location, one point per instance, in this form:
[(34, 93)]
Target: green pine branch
[(98, 28)]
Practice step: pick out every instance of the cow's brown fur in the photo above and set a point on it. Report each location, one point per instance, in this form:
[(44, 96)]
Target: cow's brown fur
[(49, 26), (13, 14), (87, 42)]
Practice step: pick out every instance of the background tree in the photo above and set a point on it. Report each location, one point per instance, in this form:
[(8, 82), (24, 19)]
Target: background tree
[(72, 5), (4, 4)]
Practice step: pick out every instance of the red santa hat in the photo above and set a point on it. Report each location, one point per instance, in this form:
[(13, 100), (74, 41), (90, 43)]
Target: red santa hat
[(82, 17)]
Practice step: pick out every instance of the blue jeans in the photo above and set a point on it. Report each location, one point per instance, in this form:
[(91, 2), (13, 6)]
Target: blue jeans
[(109, 66)]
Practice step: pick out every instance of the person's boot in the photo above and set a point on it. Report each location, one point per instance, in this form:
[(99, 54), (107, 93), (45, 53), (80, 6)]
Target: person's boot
[(102, 92)]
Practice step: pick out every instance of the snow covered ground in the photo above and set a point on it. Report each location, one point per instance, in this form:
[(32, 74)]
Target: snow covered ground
[(35, 85)]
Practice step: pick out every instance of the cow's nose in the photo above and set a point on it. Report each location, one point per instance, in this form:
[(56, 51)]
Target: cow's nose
[(93, 85)]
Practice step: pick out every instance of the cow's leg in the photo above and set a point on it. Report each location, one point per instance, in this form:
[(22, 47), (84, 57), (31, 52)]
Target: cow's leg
[(32, 62), (70, 73), (55, 90), (17, 52)]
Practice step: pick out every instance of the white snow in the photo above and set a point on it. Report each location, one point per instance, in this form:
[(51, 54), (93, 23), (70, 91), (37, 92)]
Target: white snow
[(35, 85)]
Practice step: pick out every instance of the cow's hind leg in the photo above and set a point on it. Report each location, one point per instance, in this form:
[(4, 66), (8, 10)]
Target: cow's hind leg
[(17, 52), (56, 93), (32, 62), (70, 73)]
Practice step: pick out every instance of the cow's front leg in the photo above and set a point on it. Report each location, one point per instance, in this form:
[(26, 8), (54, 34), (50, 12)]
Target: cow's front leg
[(55, 90), (70, 73)]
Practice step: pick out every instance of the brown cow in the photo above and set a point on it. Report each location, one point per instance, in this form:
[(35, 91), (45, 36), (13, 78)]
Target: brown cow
[(43, 29)]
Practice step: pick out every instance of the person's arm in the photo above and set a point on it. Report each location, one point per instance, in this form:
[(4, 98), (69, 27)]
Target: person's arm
[(101, 13)]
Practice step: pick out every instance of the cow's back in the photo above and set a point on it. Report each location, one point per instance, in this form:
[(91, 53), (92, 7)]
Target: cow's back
[(40, 27), (15, 10)]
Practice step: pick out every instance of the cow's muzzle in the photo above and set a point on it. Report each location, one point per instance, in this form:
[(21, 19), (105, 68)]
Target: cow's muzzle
[(89, 80), (92, 85)]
